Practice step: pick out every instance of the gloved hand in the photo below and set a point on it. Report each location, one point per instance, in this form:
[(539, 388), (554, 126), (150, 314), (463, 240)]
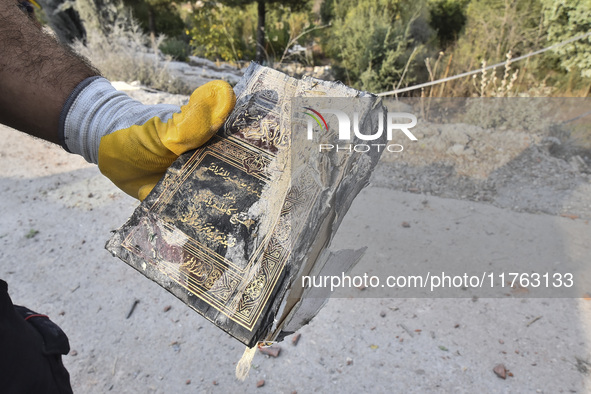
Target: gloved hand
[(132, 143)]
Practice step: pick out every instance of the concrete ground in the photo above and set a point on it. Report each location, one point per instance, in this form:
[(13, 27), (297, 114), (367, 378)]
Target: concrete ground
[(56, 214)]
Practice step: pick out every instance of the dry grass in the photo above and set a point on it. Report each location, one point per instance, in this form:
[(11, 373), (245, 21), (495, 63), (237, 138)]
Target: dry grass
[(124, 54)]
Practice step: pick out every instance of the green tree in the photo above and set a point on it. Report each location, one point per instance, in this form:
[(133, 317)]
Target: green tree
[(157, 17), (222, 32), (373, 43), (219, 31), (262, 8), (568, 19), (448, 18)]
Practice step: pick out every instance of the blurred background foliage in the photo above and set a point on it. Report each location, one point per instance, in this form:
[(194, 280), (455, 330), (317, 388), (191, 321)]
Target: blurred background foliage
[(374, 45)]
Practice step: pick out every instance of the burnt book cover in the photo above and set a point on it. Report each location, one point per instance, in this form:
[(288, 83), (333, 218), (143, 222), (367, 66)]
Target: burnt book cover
[(232, 224)]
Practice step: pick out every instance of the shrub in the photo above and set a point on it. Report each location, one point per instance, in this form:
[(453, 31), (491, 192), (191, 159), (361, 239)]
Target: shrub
[(373, 40), (123, 54), (176, 48)]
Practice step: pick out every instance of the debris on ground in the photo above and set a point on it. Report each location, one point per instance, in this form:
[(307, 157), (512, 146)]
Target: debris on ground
[(533, 321), (135, 302), (271, 351), (500, 371)]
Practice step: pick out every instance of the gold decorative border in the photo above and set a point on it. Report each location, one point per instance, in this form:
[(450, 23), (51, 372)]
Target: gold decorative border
[(238, 293)]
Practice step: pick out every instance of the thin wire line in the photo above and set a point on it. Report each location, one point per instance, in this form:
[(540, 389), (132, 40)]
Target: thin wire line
[(473, 72)]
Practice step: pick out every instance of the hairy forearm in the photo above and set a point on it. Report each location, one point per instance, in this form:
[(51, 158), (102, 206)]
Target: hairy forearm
[(37, 75)]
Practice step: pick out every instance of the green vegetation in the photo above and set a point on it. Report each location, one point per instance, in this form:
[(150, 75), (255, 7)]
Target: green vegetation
[(220, 32), (375, 45), (570, 64), (31, 234), (262, 7)]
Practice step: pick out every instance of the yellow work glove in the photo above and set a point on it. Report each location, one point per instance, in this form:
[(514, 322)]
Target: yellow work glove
[(133, 144)]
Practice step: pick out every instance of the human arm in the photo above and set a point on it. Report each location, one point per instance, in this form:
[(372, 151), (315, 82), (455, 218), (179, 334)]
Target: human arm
[(36, 75), (49, 92)]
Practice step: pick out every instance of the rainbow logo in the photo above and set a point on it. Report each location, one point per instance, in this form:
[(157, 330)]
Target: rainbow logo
[(315, 116)]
